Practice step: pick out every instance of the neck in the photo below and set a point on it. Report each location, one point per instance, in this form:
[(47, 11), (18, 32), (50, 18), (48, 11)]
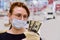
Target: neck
[(16, 31)]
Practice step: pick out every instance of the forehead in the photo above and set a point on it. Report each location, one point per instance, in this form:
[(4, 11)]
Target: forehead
[(20, 10)]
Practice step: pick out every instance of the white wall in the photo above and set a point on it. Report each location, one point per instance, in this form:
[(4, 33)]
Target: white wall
[(50, 30)]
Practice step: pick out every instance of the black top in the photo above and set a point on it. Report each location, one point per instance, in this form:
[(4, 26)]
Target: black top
[(8, 36)]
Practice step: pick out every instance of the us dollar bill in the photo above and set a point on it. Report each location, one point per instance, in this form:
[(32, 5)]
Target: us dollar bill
[(34, 25)]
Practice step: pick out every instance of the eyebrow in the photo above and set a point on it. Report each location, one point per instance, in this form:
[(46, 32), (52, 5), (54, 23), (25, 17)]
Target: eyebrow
[(19, 14)]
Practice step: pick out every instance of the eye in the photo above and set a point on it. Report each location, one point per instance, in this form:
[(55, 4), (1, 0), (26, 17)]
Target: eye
[(18, 15), (25, 16)]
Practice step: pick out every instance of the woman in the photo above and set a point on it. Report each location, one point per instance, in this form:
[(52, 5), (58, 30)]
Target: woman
[(18, 15)]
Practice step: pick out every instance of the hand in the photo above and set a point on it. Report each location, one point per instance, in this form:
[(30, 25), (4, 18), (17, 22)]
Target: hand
[(32, 36)]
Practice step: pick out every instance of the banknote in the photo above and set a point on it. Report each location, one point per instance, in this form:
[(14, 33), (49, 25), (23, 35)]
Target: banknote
[(34, 25)]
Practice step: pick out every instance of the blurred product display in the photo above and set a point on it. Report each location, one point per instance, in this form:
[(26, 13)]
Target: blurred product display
[(36, 7)]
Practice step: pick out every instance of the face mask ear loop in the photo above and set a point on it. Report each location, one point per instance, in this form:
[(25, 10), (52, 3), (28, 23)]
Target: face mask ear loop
[(10, 25)]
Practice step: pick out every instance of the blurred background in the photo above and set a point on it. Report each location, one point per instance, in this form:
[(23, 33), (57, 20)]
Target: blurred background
[(45, 11)]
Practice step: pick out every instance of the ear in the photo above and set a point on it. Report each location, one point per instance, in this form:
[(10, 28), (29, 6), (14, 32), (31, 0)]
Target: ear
[(9, 15)]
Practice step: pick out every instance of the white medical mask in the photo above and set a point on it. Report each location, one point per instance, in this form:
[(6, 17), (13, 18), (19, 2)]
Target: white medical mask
[(19, 23)]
